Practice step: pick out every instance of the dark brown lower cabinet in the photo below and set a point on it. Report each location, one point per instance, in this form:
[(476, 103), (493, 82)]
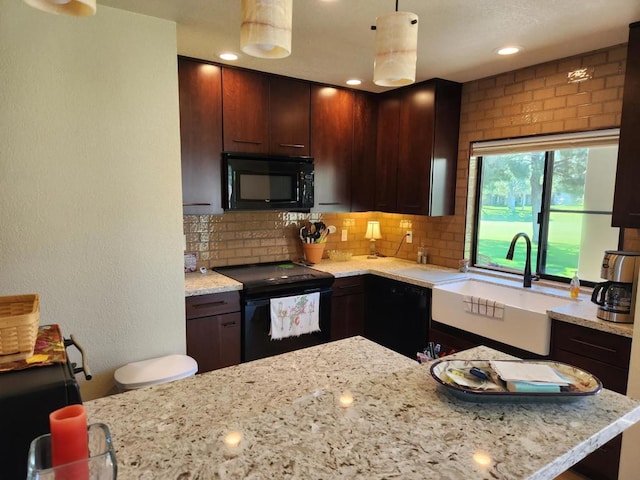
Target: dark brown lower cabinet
[(213, 330), (606, 356), (347, 307)]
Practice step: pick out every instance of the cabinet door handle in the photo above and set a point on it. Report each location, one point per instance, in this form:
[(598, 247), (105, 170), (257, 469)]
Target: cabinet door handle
[(291, 145), (634, 214), (210, 304), (330, 203), (344, 287), (593, 345), (252, 142), (229, 324)]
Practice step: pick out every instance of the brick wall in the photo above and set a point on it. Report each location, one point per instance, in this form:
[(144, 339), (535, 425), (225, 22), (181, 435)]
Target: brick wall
[(539, 100), (529, 101)]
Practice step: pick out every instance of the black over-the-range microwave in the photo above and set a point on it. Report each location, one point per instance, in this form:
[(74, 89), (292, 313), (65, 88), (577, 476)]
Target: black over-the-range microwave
[(266, 182)]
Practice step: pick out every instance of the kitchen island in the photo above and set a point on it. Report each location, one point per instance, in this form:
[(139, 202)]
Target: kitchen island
[(293, 417)]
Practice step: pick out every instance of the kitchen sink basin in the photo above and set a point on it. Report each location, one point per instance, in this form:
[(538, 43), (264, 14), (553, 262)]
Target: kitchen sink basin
[(522, 322)]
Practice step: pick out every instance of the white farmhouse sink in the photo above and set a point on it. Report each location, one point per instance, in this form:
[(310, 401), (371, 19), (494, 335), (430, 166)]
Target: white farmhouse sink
[(524, 324)]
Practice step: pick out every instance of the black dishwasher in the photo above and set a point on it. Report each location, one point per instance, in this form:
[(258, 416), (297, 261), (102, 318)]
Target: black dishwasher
[(397, 315)]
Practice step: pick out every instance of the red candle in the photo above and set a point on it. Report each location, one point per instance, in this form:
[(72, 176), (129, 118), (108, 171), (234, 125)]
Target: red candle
[(70, 440)]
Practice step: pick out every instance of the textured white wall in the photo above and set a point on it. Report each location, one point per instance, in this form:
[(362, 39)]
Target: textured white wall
[(90, 191)]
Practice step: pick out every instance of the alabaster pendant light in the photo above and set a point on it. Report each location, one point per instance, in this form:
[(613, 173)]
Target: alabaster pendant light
[(266, 28), (396, 49), (75, 8)]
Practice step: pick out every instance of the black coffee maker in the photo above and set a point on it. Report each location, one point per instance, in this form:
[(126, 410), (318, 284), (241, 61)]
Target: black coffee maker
[(616, 297)]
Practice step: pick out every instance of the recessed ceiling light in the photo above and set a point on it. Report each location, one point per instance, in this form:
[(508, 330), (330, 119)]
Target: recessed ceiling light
[(510, 50), (354, 81), (228, 56)]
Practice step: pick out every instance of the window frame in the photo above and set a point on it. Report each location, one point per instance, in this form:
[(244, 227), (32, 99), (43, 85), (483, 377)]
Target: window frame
[(535, 144)]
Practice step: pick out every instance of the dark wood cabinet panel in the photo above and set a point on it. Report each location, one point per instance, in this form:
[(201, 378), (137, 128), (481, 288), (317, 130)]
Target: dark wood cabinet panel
[(213, 330), (289, 116), (332, 147), (212, 304), (363, 166), (200, 94), (415, 148), (606, 356), (347, 307), (418, 148), (626, 199), (387, 152), (245, 101), (214, 342)]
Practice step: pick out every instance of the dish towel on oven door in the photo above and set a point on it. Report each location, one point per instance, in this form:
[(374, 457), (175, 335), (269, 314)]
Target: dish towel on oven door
[(295, 316)]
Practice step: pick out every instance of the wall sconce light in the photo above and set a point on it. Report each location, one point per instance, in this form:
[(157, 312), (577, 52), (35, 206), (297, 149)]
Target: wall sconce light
[(75, 8), (396, 49), (373, 234), (266, 28)]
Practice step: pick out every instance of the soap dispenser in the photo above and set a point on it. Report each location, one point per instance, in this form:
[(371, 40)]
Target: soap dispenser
[(574, 286)]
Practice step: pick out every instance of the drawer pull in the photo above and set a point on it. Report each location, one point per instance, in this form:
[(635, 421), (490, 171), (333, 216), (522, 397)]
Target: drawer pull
[(229, 324), (292, 145), (593, 345), (344, 287), (210, 304), (251, 142)]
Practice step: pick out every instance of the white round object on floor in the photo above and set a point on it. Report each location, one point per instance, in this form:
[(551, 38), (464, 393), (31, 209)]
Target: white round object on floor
[(154, 371)]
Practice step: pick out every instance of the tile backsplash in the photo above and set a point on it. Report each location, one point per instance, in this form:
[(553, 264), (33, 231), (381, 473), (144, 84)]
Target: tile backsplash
[(247, 237)]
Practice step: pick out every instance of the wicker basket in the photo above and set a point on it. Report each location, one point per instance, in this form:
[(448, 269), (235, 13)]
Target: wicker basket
[(19, 320)]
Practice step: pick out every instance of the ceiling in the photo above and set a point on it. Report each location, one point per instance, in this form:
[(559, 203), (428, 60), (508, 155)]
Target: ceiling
[(332, 40)]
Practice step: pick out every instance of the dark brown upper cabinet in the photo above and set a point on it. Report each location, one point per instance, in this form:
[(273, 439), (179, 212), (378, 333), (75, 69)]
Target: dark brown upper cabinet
[(626, 198), (417, 151), (264, 113), (332, 147), (245, 100), (289, 116), (200, 94), (387, 152), (363, 164)]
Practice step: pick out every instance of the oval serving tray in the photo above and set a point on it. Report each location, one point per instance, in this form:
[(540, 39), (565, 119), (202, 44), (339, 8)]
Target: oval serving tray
[(583, 383)]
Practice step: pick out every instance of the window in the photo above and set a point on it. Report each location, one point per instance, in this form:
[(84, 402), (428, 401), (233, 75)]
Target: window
[(556, 189)]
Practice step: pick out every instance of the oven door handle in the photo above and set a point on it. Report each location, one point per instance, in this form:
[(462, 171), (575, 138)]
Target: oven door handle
[(264, 301)]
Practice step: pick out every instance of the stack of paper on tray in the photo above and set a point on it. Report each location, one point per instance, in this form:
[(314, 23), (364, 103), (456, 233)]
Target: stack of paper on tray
[(529, 377)]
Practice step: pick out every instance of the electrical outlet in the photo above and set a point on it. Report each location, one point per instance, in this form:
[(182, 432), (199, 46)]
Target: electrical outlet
[(409, 236), (344, 235)]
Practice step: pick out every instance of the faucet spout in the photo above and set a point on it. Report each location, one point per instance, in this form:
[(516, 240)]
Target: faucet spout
[(527, 263)]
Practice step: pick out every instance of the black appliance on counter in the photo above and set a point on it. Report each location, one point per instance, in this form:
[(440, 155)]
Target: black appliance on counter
[(27, 397), (265, 281), (617, 296)]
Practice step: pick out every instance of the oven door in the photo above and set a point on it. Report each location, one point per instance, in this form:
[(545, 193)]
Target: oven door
[(256, 323)]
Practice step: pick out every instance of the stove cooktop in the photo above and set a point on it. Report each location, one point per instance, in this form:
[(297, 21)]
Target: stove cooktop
[(266, 277)]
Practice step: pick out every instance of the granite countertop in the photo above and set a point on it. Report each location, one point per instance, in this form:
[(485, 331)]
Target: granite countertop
[(401, 423), (581, 312)]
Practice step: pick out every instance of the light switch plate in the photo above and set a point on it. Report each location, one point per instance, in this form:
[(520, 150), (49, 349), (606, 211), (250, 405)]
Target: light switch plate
[(344, 235)]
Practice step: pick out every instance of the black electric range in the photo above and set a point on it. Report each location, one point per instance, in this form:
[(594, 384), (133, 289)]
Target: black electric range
[(261, 279), (264, 282)]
